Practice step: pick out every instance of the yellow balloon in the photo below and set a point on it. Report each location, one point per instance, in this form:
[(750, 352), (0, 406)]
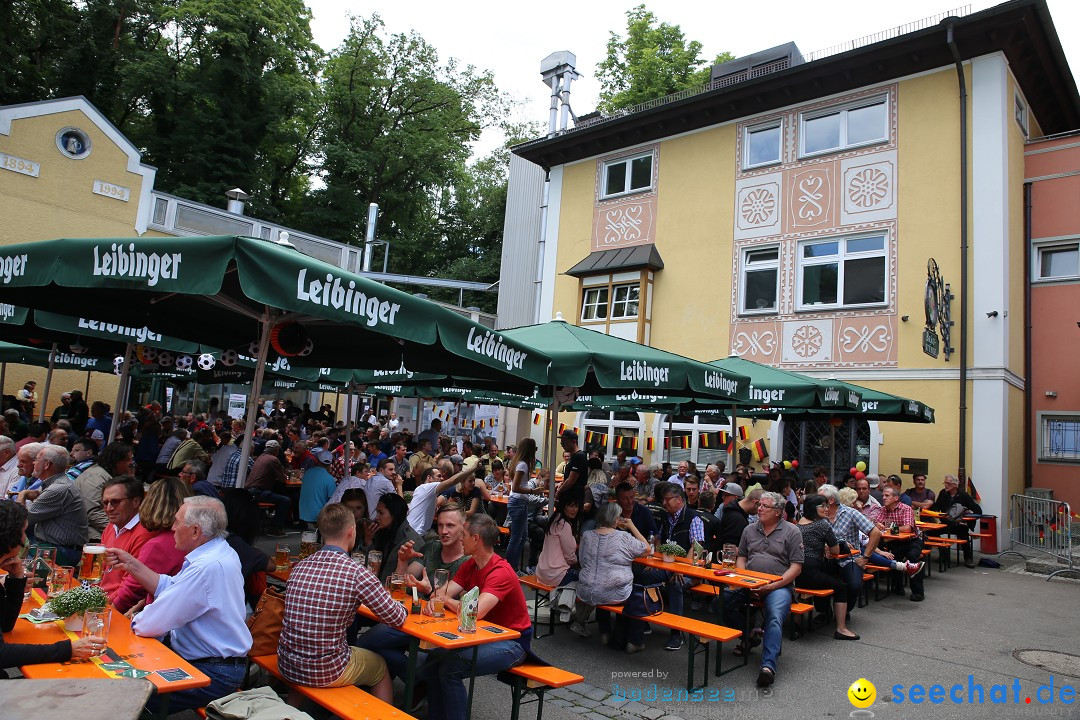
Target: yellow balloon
[(860, 466), (787, 464), (862, 693)]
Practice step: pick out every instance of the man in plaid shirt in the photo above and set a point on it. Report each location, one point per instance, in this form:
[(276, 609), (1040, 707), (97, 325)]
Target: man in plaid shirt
[(894, 511), (324, 591)]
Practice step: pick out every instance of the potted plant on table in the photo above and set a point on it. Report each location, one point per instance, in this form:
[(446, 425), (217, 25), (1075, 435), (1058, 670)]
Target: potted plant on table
[(670, 551), (71, 604)]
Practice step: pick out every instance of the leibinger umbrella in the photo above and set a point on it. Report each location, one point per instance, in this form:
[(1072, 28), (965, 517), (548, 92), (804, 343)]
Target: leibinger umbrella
[(245, 294)]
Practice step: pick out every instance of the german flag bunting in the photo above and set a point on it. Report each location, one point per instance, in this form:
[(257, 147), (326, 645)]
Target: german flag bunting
[(536, 419), (550, 423), (724, 438), (603, 439), (705, 440), (744, 433), (588, 437), (731, 447), (634, 443), (973, 492), (759, 450), (562, 426)]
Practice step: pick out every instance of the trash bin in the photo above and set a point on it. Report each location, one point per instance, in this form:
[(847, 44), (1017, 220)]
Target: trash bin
[(988, 524)]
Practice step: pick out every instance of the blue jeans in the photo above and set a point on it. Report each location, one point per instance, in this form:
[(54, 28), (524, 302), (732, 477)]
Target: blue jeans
[(446, 671), (225, 679), (852, 575), (282, 505), (390, 644), (777, 605), (518, 511)]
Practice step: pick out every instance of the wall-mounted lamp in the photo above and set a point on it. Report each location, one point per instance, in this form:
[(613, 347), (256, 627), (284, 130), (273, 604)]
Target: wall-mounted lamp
[(1051, 393), (992, 314), (905, 318)]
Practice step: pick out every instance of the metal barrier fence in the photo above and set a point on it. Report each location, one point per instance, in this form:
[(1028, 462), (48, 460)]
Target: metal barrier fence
[(1043, 525)]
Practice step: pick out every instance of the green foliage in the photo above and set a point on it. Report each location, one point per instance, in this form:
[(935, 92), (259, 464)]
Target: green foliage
[(670, 548), (653, 60), (76, 600)]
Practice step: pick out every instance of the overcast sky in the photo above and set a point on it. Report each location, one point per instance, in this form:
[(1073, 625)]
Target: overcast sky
[(511, 40)]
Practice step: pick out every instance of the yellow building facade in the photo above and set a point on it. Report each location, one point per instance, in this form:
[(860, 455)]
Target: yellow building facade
[(800, 234)]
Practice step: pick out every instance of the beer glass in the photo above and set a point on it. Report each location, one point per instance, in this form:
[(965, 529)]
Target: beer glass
[(281, 557), (47, 560), (359, 558), (96, 621), (397, 589), (730, 553), (308, 543), (59, 579), (374, 562), (93, 563), (30, 561), (438, 594)]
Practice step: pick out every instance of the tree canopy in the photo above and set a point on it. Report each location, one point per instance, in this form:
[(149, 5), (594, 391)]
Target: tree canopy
[(654, 59)]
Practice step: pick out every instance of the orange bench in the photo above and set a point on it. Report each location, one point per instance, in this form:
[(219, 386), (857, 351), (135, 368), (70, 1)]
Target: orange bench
[(348, 701), (797, 608), (700, 634), (535, 679)]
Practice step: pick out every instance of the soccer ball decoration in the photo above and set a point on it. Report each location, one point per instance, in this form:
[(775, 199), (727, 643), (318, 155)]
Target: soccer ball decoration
[(253, 349), (229, 358), (308, 347), (165, 358), (146, 354), (77, 349), (118, 364), (184, 362), (288, 338), (206, 361)]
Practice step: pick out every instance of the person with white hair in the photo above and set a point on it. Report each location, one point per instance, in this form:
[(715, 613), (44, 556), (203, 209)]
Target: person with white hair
[(56, 512), (201, 608), (9, 465)]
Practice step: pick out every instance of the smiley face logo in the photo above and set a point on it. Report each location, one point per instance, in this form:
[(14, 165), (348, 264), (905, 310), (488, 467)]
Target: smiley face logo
[(862, 693)]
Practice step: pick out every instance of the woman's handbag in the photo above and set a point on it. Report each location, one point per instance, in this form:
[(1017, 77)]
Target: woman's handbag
[(265, 623), (644, 601)]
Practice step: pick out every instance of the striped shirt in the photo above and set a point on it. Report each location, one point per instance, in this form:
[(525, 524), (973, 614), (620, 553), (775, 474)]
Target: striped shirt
[(324, 592), (847, 525)]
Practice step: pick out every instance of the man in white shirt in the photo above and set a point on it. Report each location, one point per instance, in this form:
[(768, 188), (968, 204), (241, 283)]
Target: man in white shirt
[(679, 478), (426, 496), (377, 486), (9, 469), (201, 608), (392, 424)]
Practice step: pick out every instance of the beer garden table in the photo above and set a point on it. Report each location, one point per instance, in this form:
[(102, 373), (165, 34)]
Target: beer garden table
[(104, 699), (142, 653)]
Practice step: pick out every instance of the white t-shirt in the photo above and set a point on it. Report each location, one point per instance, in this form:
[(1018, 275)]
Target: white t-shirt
[(520, 467), (422, 507)]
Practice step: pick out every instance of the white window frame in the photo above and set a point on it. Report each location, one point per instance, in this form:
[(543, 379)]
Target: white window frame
[(843, 110), (1020, 113), (750, 130), (586, 303), (614, 291), (695, 454), (840, 258), (627, 161), (1058, 244), (1045, 418), (608, 427), (764, 265)]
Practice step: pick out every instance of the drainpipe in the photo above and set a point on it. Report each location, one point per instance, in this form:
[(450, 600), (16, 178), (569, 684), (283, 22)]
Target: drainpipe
[(961, 469), (542, 247), (1029, 480)]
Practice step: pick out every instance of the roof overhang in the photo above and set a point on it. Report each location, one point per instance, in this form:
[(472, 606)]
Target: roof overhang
[(631, 258), (1022, 30)]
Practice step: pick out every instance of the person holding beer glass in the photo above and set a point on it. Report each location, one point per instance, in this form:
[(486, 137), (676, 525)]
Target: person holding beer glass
[(13, 521)]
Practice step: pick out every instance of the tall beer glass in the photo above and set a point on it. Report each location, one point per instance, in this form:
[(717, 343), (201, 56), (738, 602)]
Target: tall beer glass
[(93, 563)]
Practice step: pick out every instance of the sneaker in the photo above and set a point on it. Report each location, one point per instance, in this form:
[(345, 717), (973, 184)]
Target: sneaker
[(648, 629), (675, 643), (765, 677), (631, 648), (580, 629), (916, 597), (913, 569)]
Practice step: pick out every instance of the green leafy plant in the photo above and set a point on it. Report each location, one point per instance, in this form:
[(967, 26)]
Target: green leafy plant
[(670, 548), (77, 600)]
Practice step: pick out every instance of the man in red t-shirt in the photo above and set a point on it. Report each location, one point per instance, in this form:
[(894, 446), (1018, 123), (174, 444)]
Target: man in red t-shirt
[(501, 602)]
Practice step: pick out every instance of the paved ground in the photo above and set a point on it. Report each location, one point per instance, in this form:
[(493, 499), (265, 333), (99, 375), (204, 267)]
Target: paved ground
[(973, 623)]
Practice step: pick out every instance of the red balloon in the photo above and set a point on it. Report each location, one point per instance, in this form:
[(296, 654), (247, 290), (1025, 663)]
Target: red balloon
[(794, 463), (859, 475), (852, 471)]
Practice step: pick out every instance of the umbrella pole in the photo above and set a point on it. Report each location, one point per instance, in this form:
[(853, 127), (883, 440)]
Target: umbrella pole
[(669, 439), (129, 348), (734, 434), (832, 453), (348, 419), (256, 386), (3, 376), (552, 444), (48, 382), (85, 394)]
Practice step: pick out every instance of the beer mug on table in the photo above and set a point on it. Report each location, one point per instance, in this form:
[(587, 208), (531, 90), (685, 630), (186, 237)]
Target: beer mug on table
[(30, 563), (308, 543), (374, 562), (729, 554), (359, 558), (281, 557), (59, 578), (397, 588), (438, 594), (96, 621), (93, 563)]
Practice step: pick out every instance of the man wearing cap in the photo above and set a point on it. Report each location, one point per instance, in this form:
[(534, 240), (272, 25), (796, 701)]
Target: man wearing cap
[(267, 473), (577, 469), (317, 488), (727, 494)]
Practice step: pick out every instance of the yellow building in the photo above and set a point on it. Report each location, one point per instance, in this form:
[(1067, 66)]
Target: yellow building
[(788, 213)]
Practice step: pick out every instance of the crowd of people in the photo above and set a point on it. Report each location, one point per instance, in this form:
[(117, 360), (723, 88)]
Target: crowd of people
[(166, 501)]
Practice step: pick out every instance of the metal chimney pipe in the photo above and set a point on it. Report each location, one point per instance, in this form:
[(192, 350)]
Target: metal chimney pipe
[(567, 78), (369, 239), (236, 201), (553, 113)]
